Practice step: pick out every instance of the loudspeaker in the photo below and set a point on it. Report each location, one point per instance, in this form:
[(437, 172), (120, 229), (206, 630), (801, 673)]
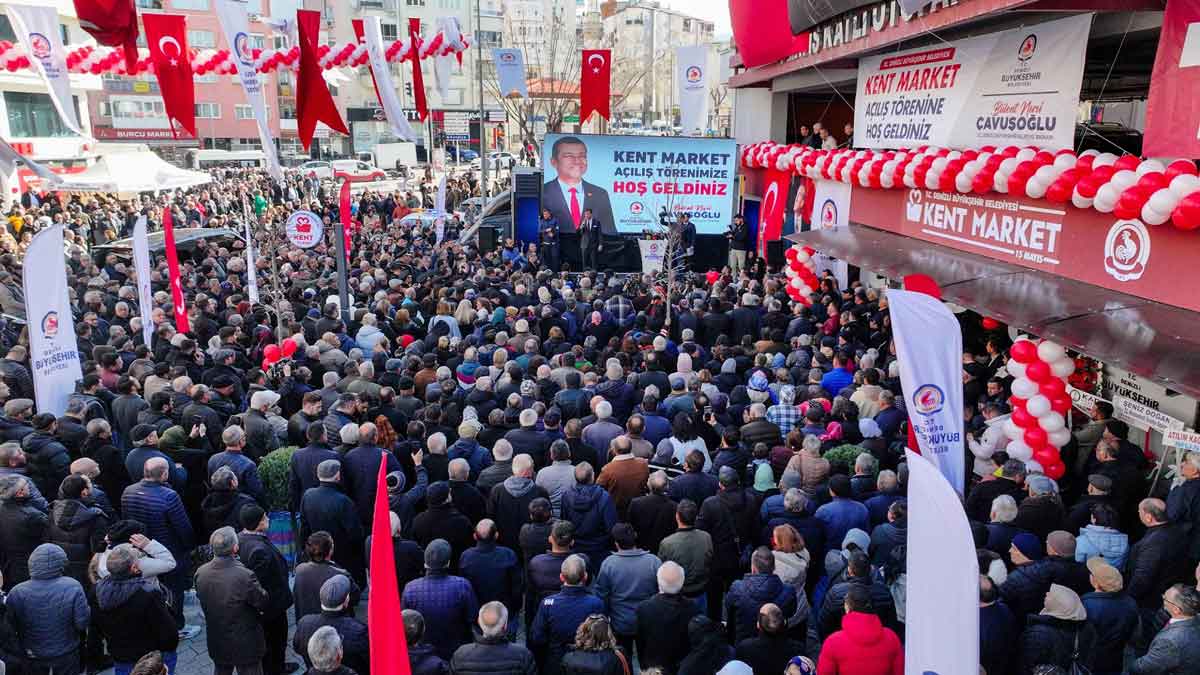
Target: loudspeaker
[(488, 239), (775, 252), (527, 204), (527, 183)]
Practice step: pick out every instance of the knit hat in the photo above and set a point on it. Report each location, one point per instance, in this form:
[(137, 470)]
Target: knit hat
[(1107, 577), (1028, 544), (758, 381), (804, 663), (334, 591)]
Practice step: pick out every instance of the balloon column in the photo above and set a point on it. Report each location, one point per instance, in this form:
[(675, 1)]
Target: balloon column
[(273, 353), (1038, 427), (802, 279)]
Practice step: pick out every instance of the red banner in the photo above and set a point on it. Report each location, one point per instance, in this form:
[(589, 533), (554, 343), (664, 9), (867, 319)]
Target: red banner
[(1173, 109), (113, 23), (385, 618), (166, 35), (358, 37), (344, 211), (181, 317), (594, 83), (313, 101), (418, 83), (770, 213), (763, 32)]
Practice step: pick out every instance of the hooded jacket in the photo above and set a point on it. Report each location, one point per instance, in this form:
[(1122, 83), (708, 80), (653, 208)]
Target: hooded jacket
[(49, 462), (862, 647), (508, 505), (134, 618), (22, 527), (747, 595), (592, 511), (79, 529), (50, 611)]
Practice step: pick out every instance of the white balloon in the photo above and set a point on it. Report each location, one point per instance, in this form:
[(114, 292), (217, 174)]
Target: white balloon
[(1106, 198), (1037, 405), (953, 154), (962, 182), (1123, 179), (1017, 449), (802, 256), (1089, 153), (1050, 351), (1012, 431), (1149, 166), (1023, 387), (1000, 182), (1059, 438), (1163, 200), (910, 181), (932, 179), (1035, 188), (1104, 159), (1026, 154), (846, 173), (1046, 174), (1065, 161), (1051, 421), (1184, 184), (1015, 368), (939, 164), (1008, 165), (1151, 216), (1080, 201), (886, 180), (1063, 367), (789, 272)]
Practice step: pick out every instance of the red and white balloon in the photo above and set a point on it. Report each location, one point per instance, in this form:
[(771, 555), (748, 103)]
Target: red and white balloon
[(801, 273), (1037, 429)]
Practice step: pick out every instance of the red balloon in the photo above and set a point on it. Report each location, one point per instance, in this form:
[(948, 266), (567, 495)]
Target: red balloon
[(1053, 388), (1180, 166), (1130, 203), (1060, 192), (1043, 158), (1130, 162), (289, 347), (1024, 351), (1035, 437), (983, 181), (1023, 419), (1055, 470), (1061, 404), (790, 254), (1017, 403), (1046, 455), (271, 353), (1186, 215), (1154, 180), (1039, 371), (989, 323), (266, 365)]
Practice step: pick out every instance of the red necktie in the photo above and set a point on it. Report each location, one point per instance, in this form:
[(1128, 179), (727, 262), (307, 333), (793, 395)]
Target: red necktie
[(576, 213)]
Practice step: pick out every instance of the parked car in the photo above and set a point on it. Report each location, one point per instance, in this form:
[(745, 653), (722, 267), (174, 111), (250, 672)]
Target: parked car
[(315, 169), (358, 171), (501, 160), (457, 154)]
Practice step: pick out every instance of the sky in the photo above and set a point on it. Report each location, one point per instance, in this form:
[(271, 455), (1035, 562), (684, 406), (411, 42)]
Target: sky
[(716, 11)]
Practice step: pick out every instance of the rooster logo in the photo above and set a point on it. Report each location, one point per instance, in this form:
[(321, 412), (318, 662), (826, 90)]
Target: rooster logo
[(1127, 250), (929, 399)]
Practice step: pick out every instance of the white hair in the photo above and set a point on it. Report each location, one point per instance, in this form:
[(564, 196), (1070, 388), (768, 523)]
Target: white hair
[(502, 450), (325, 649), (437, 443), (670, 578), (1004, 509), (522, 464), (603, 410)]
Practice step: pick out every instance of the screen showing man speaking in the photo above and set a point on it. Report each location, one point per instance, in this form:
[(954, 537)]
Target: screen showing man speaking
[(627, 181)]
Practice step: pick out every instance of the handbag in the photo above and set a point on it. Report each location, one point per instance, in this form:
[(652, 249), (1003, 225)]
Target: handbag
[(1075, 667), (625, 662)]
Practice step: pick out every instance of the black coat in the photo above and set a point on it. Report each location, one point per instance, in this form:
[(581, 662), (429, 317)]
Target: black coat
[(302, 472), (327, 508), (768, 653), (998, 631), (1025, 588), (356, 651), (731, 519), (360, 473), (653, 518), (979, 501), (222, 508), (22, 527), (260, 555), (310, 576), (1040, 515), (49, 462), (493, 656), (662, 630), (134, 618), (829, 619), (444, 522), (79, 529), (1158, 560), (1053, 641), (1114, 616), (508, 505), (232, 600), (606, 662)]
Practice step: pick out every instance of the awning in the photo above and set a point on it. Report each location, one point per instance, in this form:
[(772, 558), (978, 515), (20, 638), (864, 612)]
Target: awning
[(1151, 339)]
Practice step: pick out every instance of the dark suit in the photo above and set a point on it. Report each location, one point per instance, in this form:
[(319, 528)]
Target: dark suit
[(595, 198)]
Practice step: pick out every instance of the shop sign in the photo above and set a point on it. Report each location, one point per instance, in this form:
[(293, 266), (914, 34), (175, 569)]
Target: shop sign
[(1081, 244), (1143, 416), (1120, 384), (1013, 87), (859, 24), (111, 134), (1184, 440), (1083, 400)]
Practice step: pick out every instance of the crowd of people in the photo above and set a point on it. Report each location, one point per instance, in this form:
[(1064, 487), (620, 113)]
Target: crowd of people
[(586, 474)]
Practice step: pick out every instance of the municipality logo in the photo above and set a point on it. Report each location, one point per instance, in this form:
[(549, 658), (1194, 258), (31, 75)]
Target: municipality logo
[(241, 47), (929, 399), (40, 45), (637, 208), (1127, 250), (1028, 48), (694, 74), (50, 325), (829, 215)]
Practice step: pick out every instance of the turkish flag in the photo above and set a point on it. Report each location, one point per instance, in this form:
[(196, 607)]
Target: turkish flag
[(594, 83), (181, 316), (358, 37), (771, 209), (418, 83), (313, 101), (113, 23), (166, 34), (344, 212), (385, 617), (1173, 109)]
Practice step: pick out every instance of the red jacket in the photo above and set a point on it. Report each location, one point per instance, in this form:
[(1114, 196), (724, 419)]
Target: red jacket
[(862, 647)]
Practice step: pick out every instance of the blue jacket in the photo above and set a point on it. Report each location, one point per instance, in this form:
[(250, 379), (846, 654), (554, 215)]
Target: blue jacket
[(559, 616), (360, 475), (889, 422), (495, 574), (626, 579), (840, 516), (1106, 542), (747, 595), (159, 508), (998, 633), (877, 506), (1115, 618), (449, 606), (244, 468), (49, 612), (694, 486), (836, 380), (657, 428), (135, 464), (476, 455), (591, 510)]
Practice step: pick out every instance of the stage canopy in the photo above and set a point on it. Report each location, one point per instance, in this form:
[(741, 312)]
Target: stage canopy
[(128, 173)]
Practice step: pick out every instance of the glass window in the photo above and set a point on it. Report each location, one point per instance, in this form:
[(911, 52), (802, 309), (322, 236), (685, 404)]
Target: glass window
[(257, 41), (197, 5), (415, 3), (244, 111), (6, 29), (32, 115), (150, 4), (208, 111), (389, 31), (202, 39)]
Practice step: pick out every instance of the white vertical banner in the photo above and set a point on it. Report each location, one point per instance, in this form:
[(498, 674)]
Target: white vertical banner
[(831, 205), (451, 34), (929, 351), (235, 26), (373, 37), (8, 165), (251, 267), (942, 614), (510, 72), (439, 200), (692, 78), (53, 352), (141, 263), (37, 30)]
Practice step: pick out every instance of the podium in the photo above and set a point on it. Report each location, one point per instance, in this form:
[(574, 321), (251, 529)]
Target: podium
[(653, 253)]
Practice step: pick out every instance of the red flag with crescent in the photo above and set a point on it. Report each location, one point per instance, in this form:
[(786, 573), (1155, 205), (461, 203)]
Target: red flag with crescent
[(771, 208), (113, 23), (166, 35), (594, 83), (418, 80), (181, 316)]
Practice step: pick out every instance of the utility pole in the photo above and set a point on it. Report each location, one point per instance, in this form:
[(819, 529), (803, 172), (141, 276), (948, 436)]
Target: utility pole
[(483, 159), (648, 82)]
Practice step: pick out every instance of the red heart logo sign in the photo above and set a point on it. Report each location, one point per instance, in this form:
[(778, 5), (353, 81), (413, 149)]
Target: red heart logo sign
[(762, 31)]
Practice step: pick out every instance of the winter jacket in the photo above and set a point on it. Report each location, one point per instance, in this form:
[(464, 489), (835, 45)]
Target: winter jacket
[(862, 647), (449, 606), (831, 616), (1025, 588), (1040, 515), (1158, 560), (356, 650), (443, 521), (260, 556), (662, 635), (508, 505), (626, 579), (1173, 651), (840, 516), (244, 468), (591, 510), (731, 517), (998, 632), (302, 472), (886, 537), (557, 619), (133, 616), (620, 394), (624, 478), (555, 480), (232, 601), (49, 462), (327, 508), (495, 574), (747, 595), (1050, 640), (476, 455), (49, 611), (766, 653), (653, 518), (125, 410), (424, 660), (159, 508), (981, 496), (493, 656), (22, 528), (80, 530), (1183, 506), (691, 549), (222, 508), (1105, 542), (310, 576), (1114, 617), (579, 662), (696, 486), (360, 473)]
